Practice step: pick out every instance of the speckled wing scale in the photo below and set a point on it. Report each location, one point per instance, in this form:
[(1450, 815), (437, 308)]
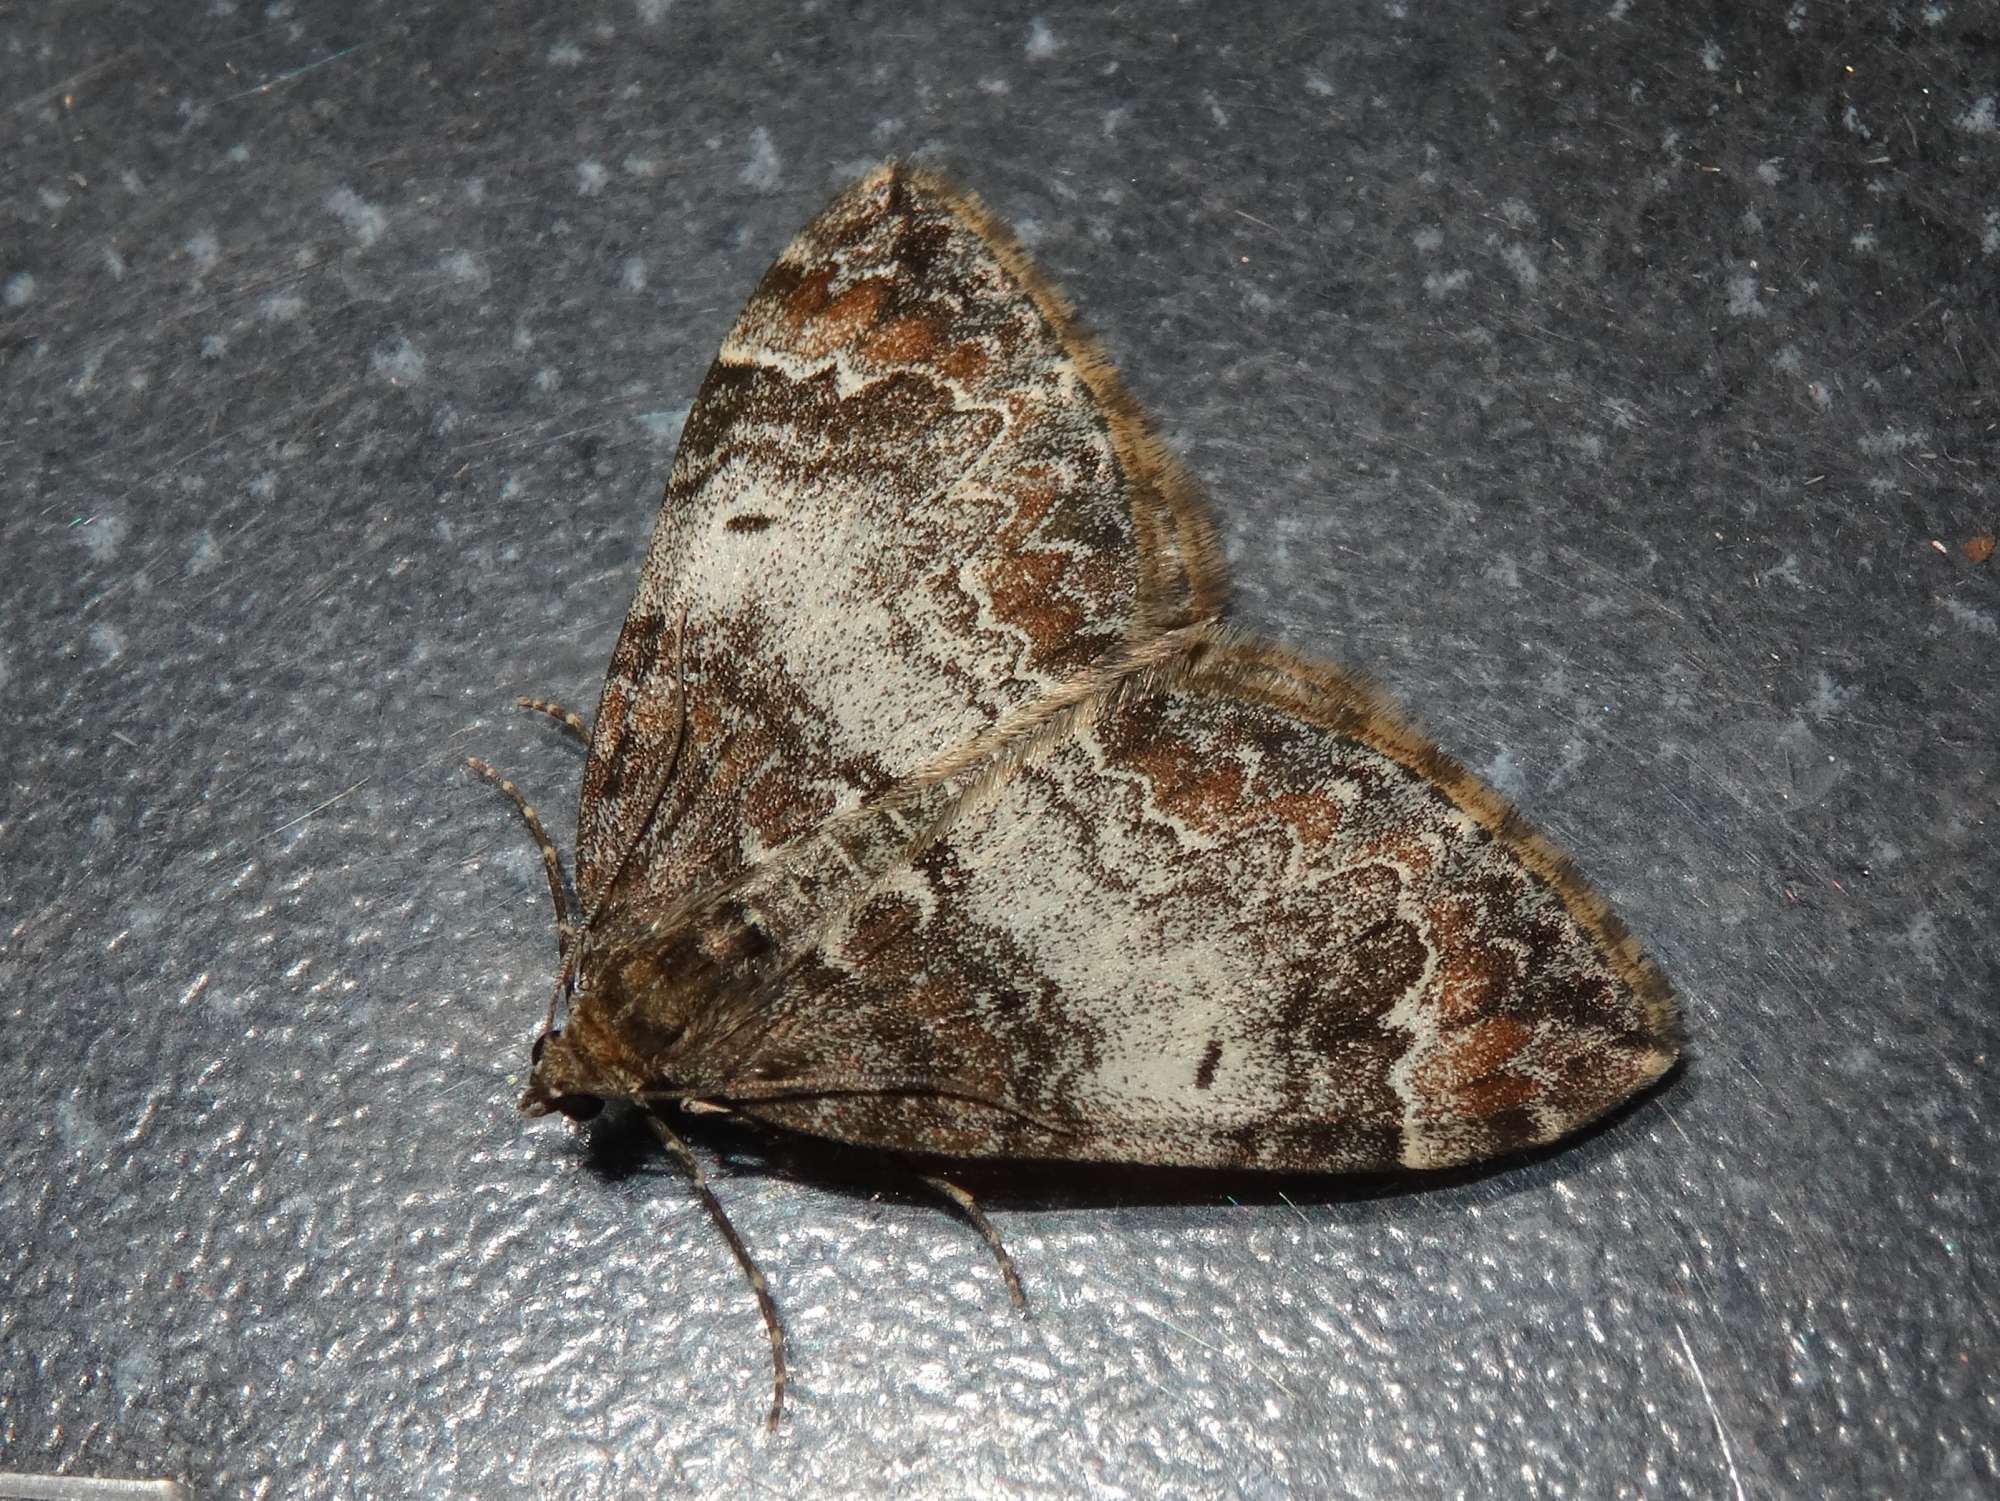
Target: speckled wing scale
[(929, 806)]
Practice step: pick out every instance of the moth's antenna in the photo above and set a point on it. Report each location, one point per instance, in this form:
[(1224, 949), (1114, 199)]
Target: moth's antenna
[(569, 719), (678, 1150), (566, 929), (551, 861)]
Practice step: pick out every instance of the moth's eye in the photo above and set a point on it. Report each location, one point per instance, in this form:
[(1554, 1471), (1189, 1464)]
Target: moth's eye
[(542, 1044), (579, 1107)]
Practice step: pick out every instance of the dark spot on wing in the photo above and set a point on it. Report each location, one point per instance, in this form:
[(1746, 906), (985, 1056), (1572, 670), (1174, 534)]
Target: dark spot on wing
[(746, 523), (1204, 1075)]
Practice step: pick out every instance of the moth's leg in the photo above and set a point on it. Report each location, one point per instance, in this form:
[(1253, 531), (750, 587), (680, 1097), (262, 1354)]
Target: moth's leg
[(569, 719), (678, 1150), (551, 861), (970, 1208)]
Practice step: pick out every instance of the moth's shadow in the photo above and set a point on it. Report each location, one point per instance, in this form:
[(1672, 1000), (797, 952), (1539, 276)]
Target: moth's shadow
[(619, 1144)]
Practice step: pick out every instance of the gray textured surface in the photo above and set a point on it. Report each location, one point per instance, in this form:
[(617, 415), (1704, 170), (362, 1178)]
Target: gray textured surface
[(1616, 386)]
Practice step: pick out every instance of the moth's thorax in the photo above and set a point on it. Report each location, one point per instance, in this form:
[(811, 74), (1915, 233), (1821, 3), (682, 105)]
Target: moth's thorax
[(658, 1016)]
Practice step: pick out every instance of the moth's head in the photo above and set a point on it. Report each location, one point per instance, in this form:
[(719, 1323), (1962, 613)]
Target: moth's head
[(620, 1037), (563, 1080)]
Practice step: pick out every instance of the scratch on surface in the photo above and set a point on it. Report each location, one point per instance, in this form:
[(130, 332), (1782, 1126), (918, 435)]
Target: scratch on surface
[(320, 809), (1714, 1413), (1228, 1355), (290, 73)]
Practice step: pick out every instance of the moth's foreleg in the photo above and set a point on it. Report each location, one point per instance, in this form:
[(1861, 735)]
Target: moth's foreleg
[(569, 719), (678, 1150), (551, 861), (970, 1208)]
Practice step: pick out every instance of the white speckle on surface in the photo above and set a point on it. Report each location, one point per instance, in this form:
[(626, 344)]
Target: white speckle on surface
[(1516, 213), (239, 153), (20, 289), (135, 1373), (632, 276), (995, 86), (398, 361), (1503, 570), (104, 535), (1788, 359), (1114, 120), (1851, 118), (1784, 571), (664, 424), (204, 554), (1320, 84), (762, 171), (1518, 260), (1934, 15), (652, 12), (1769, 173), (1436, 285), (114, 263), (75, 1128), (281, 307), (464, 267), (1428, 241), (107, 641), (591, 177), (546, 379), (1618, 10), (263, 485), (1892, 440), (565, 55), (1744, 301), (1980, 119), (636, 165), (1589, 445), (214, 346), (1862, 240), (1711, 57), (1503, 773), (1920, 936), (1969, 617), (1820, 393), (1828, 696), (1752, 222), (363, 219), (203, 249), (1042, 44), (1989, 234), (1215, 109)]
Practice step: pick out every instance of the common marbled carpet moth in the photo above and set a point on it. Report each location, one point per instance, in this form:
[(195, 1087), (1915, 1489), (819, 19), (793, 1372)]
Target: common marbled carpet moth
[(929, 805)]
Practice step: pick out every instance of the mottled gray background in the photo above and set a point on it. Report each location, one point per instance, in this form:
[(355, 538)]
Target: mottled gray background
[(1614, 380)]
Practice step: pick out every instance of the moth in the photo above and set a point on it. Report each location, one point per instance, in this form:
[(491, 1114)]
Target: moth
[(930, 805)]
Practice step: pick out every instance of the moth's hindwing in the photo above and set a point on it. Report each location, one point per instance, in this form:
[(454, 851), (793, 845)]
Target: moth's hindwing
[(1244, 919)]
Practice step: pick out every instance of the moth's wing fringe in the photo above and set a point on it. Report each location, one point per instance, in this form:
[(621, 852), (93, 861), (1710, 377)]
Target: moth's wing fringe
[(1348, 703), (1183, 579)]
